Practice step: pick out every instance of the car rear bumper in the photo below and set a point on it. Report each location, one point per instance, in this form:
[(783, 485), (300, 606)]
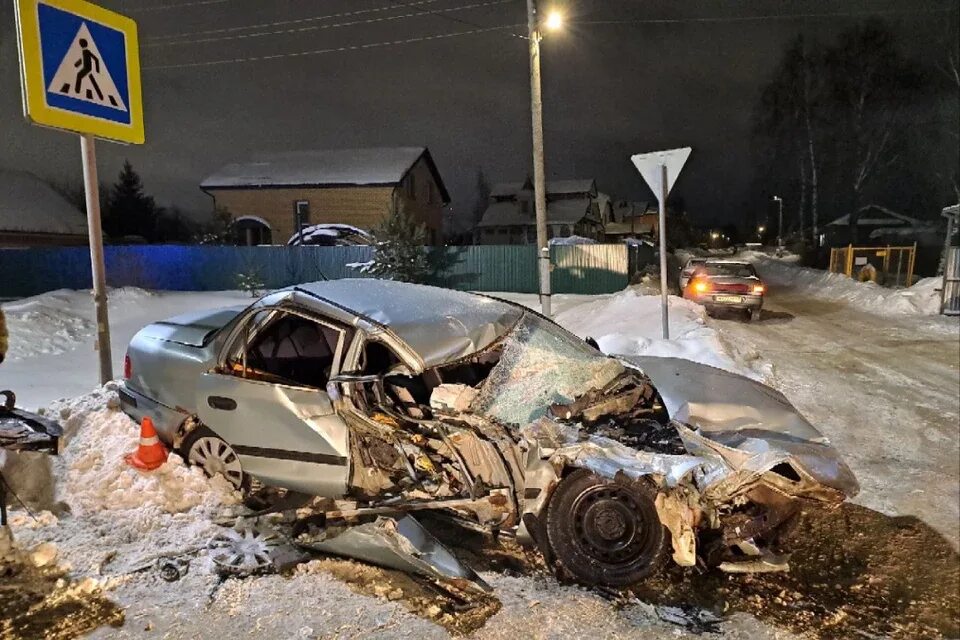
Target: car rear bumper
[(727, 301), (138, 406)]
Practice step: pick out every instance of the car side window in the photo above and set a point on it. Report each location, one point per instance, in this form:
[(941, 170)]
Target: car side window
[(292, 349)]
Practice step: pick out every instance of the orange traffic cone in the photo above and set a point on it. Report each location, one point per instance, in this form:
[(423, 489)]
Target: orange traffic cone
[(151, 453)]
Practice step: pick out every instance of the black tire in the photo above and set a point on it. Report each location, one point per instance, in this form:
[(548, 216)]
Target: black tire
[(604, 532), (203, 440), (753, 315)]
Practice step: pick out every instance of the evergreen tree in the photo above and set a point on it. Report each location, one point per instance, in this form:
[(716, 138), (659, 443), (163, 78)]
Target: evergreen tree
[(400, 252), (130, 212)]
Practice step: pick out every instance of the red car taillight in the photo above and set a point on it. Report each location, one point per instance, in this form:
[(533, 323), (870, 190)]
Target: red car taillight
[(701, 286), (758, 289), (127, 367)]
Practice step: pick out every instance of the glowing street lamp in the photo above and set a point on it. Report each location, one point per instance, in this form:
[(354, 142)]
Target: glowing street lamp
[(554, 21)]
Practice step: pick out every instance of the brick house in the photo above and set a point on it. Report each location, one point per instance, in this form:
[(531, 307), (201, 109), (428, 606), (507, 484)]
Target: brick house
[(573, 209), (270, 195), (33, 214)]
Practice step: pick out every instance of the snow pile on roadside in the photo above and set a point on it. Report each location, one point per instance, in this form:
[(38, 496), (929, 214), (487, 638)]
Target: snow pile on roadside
[(923, 298), (113, 508), (45, 324), (628, 323), (95, 477)]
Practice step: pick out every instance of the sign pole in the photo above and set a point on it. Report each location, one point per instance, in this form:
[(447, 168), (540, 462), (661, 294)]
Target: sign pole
[(664, 299), (657, 168), (91, 190)]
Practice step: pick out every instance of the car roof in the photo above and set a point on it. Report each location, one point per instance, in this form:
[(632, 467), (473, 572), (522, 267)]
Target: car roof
[(743, 263), (440, 325)]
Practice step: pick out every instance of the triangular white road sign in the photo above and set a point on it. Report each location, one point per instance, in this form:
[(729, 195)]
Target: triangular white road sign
[(649, 165), (83, 74)]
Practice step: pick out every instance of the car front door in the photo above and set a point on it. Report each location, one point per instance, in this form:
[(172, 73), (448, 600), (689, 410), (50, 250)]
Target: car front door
[(267, 399)]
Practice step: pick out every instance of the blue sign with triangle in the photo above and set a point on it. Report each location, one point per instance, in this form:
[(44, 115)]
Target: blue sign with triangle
[(81, 69), (84, 65)]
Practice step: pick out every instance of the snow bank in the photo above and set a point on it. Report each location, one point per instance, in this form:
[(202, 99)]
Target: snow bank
[(572, 240), (628, 323), (923, 298), (45, 324), (104, 504)]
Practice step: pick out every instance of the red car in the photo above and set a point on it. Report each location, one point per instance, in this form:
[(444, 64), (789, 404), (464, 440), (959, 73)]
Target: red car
[(726, 284)]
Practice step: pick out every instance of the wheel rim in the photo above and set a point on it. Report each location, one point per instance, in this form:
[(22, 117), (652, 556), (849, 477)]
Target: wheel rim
[(609, 525), (216, 457)]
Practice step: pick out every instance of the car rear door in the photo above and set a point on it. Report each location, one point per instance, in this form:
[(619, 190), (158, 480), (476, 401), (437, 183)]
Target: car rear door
[(267, 399)]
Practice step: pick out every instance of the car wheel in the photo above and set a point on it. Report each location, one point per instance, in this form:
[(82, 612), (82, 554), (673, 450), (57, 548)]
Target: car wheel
[(205, 449), (605, 532), (753, 315)]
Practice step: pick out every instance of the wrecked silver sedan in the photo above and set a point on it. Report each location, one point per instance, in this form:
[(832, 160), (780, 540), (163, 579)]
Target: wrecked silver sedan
[(384, 398)]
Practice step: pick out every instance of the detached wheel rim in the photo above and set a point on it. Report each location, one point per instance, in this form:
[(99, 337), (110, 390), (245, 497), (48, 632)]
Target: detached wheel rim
[(607, 525), (216, 457)]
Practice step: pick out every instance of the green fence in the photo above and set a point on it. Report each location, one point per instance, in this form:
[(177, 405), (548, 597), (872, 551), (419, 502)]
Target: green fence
[(577, 268)]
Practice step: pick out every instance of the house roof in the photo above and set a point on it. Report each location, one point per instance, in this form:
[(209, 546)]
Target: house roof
[(30, 205), (877, 216), (381, 166), (625, 228), (507, 214), (554, 187)]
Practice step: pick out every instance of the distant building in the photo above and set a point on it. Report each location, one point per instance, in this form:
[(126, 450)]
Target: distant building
[(272, 196), (878, 226), (33, 214), (631, 220), (573, 209)]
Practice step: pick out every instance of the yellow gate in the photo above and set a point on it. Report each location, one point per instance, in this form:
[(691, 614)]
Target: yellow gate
[(890, 266)]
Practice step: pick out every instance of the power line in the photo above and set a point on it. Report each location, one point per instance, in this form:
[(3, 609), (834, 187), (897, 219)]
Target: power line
[(793, 16), (357, 47), (181, 5), (401, 3), (335, 25), (282, 23)]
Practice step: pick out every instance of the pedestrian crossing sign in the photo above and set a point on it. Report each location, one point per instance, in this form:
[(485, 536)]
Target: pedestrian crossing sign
[(80, 69)]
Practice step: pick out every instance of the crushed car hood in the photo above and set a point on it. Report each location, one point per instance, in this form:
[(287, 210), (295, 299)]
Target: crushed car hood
[(750, 425)]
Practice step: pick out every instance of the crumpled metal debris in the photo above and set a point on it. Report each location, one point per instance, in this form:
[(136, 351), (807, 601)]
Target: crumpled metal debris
[(396, 543), (24, 431)]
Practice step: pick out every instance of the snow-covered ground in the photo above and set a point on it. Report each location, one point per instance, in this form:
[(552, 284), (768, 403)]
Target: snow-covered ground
[(883, 388), (53, 336)]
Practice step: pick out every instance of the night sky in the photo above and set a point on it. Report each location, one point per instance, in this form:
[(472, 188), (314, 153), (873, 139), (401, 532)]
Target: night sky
[(610, 90)]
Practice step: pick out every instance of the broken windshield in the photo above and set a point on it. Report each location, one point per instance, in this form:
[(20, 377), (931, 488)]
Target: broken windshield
[(541, 365)]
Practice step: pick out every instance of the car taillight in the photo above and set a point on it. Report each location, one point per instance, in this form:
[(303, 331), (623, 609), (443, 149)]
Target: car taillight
[(127, 367), (758, 289), (701, 286)]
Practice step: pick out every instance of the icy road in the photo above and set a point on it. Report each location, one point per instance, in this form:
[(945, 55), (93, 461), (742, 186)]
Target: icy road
[(884, 389)]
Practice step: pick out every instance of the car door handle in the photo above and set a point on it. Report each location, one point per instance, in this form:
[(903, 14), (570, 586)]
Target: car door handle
[(222, 403)]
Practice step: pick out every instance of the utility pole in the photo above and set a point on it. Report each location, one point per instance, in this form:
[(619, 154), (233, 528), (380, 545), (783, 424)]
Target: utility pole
[(539, 175)]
